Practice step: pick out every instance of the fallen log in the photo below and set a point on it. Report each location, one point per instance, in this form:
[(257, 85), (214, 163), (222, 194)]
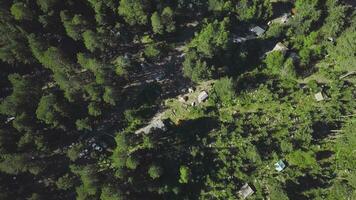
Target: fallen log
[(347, 74)]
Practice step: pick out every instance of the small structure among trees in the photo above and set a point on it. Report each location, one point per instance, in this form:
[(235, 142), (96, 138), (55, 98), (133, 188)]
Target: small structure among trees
[(279, 166), (257, 30), (245, 191), (280, 47), (155, 124), (280, 20), (202, 96), (319, 96), (9, 119)]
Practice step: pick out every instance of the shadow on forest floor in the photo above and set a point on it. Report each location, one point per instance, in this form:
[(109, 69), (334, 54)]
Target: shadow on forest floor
[(189, 135), (303, 184)]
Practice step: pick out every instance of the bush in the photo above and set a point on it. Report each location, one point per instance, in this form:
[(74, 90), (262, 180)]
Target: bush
[(131, 162), (20, 11), (224, 91), (184, 174), (155, 171), (94, 109), (73, 152), (302, 159), (152, 50), (195, 68), (92, 41), (122, 66), (274, 61), (110, 95), (83, 124), (156, 22), (65, 182), (133, 11)]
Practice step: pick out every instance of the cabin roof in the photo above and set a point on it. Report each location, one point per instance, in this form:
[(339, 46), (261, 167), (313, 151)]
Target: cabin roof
[(279, 166), (257, 30), (319, 96), (202, 96), (156, 124), (245, 191), (280, 20), (280, 47)]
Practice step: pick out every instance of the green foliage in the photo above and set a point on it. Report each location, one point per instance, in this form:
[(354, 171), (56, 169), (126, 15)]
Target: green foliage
[(220, 5), (343, 146), (309, 49), (23, 98), (157, 25), (55, 60), (343, 52), (75, 25), (122, 66), (195, 68), (275, 31), (23, 122), (75, 51), (184, 174), (224, 91), (341, 190), (305, 55), (344, 185), (13, 41), (274, 61), (302, 159), (65, 182), (14, 163), (83, 124), (254, 10), (152, 50), (36, 196), (132, 119), (119, 155), (212, 38), (94, 109), (335, 20), (102, 71), (133, 11), (155, 171), (110, 95), (89, 179), (18, 163), (132, 163), (50, 110), (103, 9), (307, 14), (21, 11), (111, 193), (289, 69), (168, 19), (47, 5), (92, 41), (94, 91), (276, 191), (74, 151)]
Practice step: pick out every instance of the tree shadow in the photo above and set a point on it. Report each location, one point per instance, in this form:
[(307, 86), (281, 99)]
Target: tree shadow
[(186, 148), (279, 8), (250, 81), (321, 130), (304, 183)]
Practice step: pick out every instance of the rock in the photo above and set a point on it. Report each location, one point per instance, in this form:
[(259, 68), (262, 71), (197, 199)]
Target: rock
[(191, 90)]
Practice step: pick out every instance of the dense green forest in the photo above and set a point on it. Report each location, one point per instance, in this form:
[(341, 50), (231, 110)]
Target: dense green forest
[(184, 99)]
